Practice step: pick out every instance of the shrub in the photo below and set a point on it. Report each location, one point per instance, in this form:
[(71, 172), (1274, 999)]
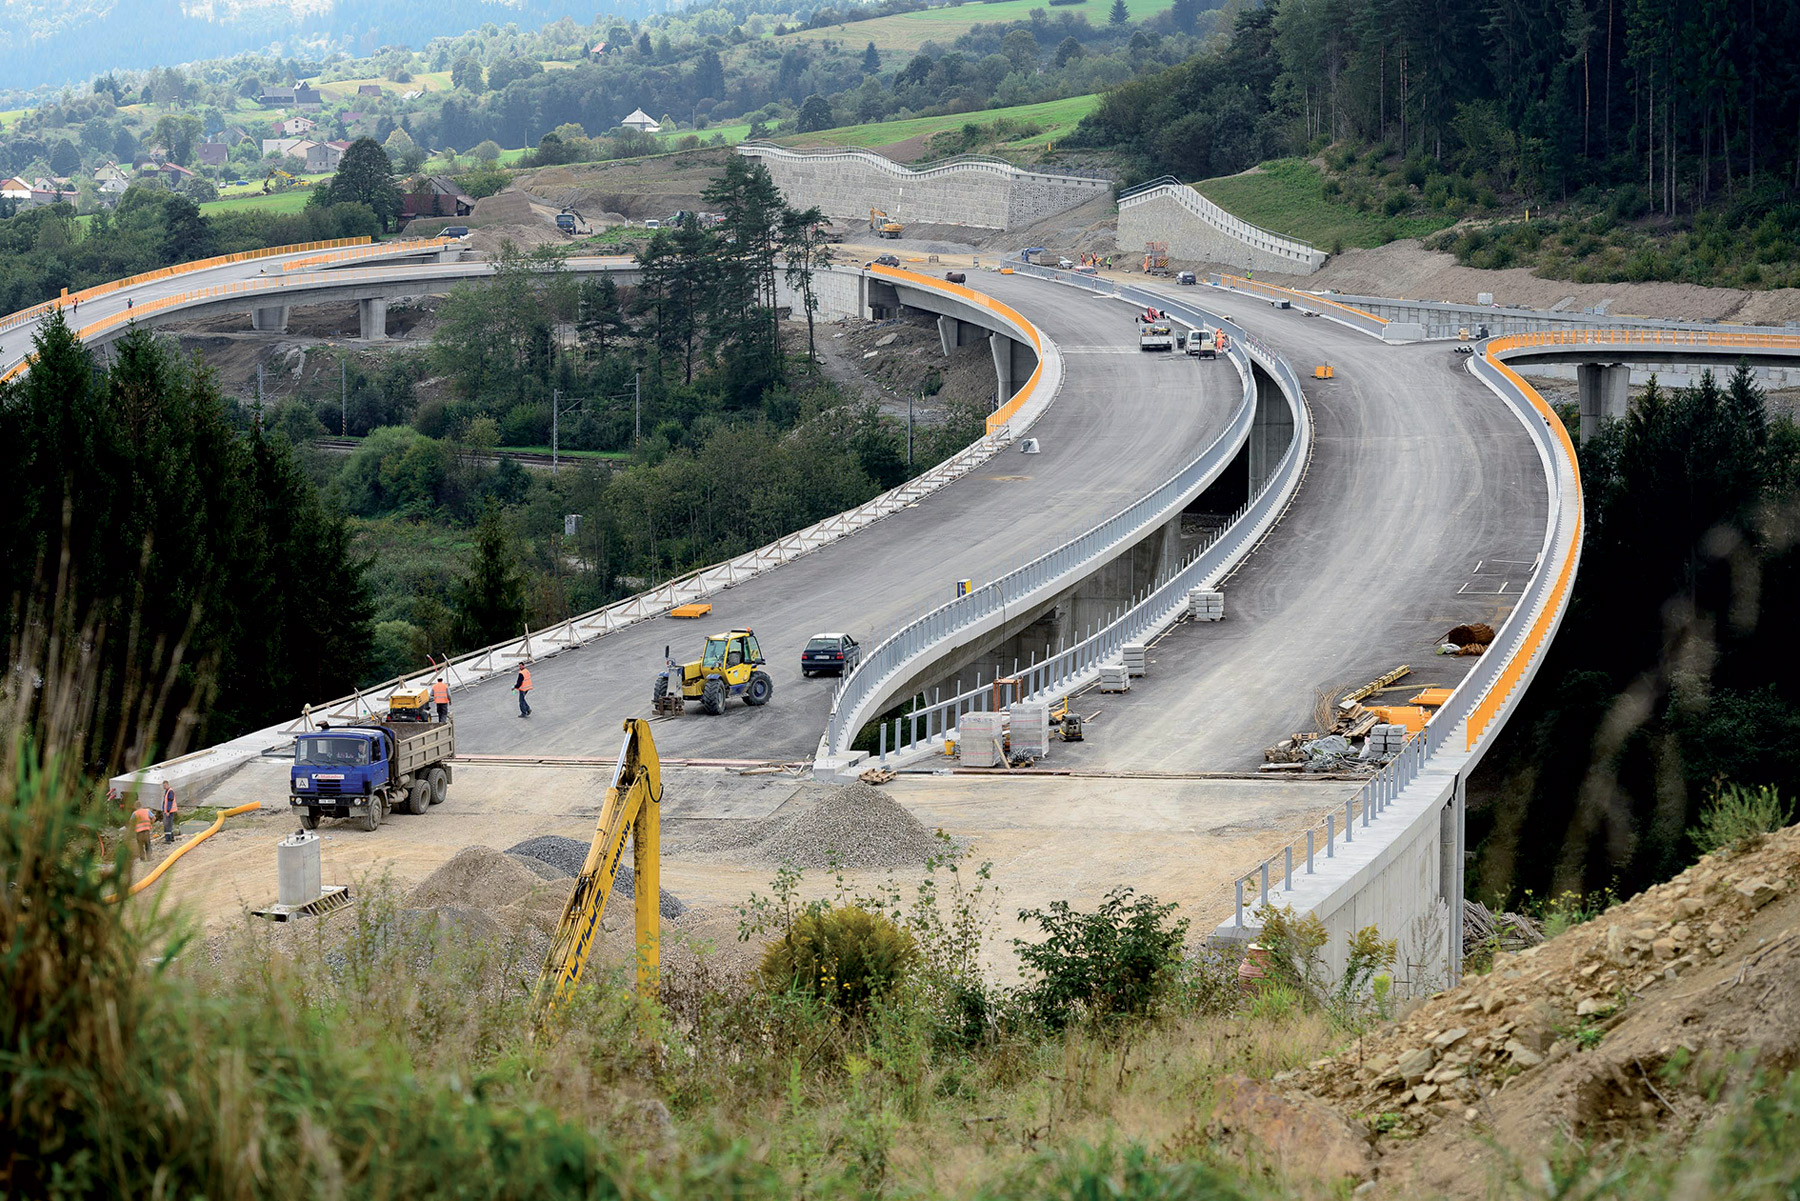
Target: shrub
[(1737, 816), (1119, 960), (846, 956)]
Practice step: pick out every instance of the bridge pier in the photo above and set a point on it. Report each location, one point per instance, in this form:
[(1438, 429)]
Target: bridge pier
[(1605, 390), (1013, 364), (374, 318), (272, 319), (954, 334)]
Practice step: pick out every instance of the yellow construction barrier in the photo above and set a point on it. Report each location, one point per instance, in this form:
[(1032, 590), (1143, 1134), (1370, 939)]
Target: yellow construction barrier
[(184, 848)]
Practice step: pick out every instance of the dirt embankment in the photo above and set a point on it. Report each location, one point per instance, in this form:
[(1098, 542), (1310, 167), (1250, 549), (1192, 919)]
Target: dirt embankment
[(1636, 1024), (1406, 269), (888, 361), (634, 187)]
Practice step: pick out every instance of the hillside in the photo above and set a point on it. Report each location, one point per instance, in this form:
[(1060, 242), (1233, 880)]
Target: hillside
[(907, 33)]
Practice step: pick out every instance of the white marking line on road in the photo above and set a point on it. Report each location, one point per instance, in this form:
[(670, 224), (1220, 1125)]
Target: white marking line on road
[(1470, 590)]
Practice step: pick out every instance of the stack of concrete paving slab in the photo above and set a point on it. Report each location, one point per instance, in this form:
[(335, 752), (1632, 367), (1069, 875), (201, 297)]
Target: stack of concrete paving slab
[(1137, 654), (1030, 729), (1114, 677), (1205, 604), (978, 739), (1387, 739)]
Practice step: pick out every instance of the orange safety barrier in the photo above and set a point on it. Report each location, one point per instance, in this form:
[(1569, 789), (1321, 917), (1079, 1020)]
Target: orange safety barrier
[(1005, 412), (223, 260), (1280, 293), (184, 848), (1489, 705)]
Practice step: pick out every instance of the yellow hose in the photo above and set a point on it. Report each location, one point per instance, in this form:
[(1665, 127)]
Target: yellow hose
[(184, 848)]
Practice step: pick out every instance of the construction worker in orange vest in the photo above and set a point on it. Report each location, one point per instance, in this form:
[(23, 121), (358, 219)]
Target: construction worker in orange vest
[(168, 812), (440, 696), (146, 829), (522, 686)]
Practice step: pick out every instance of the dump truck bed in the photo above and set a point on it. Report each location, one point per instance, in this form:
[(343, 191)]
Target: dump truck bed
[(419, 745)]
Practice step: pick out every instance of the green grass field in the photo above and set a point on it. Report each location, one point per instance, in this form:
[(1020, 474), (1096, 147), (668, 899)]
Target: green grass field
[(291, 201), (904, 33), (1287, 196), (1057, 117)]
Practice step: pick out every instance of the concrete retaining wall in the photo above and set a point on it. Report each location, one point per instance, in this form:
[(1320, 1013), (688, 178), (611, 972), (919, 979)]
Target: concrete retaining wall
[(1199, 231), (985, 194)]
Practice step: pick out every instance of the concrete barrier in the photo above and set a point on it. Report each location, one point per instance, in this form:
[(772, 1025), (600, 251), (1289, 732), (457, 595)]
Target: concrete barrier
[(1198, 231)]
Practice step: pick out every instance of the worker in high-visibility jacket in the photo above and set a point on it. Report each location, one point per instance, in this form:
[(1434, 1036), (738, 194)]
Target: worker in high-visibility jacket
[(522, 686), (168, 812), (440, 696), (145, 825)]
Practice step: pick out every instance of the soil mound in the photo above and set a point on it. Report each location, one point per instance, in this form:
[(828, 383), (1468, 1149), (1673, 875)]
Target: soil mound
[(475, 878), (853, 825), (1612, 1030)]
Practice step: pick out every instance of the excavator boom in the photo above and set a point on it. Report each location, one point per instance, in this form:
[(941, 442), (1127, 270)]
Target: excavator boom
[(631, 805)]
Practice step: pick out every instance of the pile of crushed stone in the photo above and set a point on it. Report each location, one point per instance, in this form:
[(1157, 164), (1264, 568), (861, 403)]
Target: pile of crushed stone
[(554, 857), (852, 825), (475, 878)]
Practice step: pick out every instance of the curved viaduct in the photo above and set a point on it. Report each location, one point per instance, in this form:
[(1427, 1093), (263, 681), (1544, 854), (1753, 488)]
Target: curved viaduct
[(1433, 494)]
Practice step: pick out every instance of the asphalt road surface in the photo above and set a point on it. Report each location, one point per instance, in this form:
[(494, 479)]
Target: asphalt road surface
[(1124, 422), (1423, 508)]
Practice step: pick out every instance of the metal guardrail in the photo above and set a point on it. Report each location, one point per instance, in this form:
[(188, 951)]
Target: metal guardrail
[(938, 629), (1255, 236), (1357, 318), (1494, 679)]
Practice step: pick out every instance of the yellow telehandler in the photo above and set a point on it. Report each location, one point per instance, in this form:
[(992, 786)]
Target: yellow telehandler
[(729, 665)]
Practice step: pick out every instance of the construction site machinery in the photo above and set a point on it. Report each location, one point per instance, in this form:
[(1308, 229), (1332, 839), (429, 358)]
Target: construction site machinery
[(1156, 258), (632, 804), (1155, 334), (278, 173), (729, 665), (571, 223), (881, 227), (367, 771)]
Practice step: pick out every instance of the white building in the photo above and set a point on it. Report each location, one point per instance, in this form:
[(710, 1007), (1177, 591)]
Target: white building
[(642, 121)]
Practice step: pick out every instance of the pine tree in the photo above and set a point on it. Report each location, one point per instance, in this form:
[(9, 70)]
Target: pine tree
[(871, 60), (1119, 14), (490, 600)]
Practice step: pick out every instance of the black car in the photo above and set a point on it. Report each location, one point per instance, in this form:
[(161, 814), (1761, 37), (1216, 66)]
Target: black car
[(1185, 277), (887, 260), (830, 652)]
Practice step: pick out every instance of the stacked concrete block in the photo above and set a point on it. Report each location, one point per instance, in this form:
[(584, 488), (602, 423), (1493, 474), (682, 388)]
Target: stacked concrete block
[(1137, 655), (978, 740), (1387, 739), (1115, 677), (1206, 605), (1030, 729)]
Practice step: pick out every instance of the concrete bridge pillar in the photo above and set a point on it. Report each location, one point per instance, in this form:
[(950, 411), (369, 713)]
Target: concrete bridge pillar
[(374, 319), (954, 334), (1271, 429), (1605, 390), (271, 319), (1013, 364)]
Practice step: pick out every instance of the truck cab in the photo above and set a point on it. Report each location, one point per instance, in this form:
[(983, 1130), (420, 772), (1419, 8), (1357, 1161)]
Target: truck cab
[(1203, 343), (565, 222)]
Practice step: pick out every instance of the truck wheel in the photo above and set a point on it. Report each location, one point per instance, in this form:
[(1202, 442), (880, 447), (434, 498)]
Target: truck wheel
[(712, 697), (658, 691), (309, 820), (372, 819), (440, 785), (760, 690), (418, 798)]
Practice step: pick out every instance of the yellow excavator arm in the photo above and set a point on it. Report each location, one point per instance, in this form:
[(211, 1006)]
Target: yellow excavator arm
[(632, 804)]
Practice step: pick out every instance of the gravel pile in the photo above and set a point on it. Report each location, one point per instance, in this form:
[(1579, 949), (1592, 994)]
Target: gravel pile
[(561, 858), (853, 826), (475, 878)]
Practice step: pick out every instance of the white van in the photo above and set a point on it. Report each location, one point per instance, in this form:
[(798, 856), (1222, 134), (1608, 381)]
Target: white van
[(1203, 343)]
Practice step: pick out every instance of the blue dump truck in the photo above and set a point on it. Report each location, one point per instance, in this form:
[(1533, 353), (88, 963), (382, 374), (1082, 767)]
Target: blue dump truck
[(367, 771)]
